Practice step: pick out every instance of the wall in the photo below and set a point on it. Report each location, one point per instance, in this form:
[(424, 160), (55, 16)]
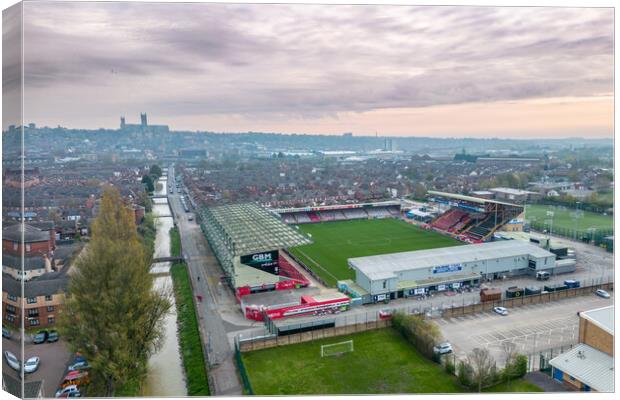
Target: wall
[(594, 336)]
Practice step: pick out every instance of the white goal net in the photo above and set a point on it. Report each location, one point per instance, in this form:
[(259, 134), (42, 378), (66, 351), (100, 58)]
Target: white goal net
[(336, 349)]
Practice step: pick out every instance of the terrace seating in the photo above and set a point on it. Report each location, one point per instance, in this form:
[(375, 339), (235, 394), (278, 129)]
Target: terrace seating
[(448, 219), (314, 217), (339, 215), (327, 215), (303, 218), (289, 271), (355, 213)]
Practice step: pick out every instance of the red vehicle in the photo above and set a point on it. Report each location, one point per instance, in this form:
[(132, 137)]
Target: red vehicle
[(385, 314)]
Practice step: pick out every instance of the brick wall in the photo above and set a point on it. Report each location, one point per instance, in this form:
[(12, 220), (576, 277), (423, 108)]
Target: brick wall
[(596, 337)]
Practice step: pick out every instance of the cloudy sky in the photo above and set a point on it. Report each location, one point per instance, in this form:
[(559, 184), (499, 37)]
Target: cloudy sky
[(400, 70)]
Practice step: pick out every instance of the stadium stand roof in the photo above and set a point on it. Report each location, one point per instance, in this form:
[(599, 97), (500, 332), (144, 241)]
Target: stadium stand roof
[(338, 206), (388, 265), (250, 229), (470, 199)]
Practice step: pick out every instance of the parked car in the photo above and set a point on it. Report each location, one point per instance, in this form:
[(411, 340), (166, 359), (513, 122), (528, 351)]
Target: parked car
[(5, 332), (32, 365), (501, 310), (385, 314), (53, 336), (79, 365), (40, 337), (11, 360), (602, 293), (69, 391), (443, 348)]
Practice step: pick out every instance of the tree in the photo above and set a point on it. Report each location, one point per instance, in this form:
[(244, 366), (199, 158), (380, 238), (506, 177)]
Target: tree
[(155, 172), (112, 314), (148, 182), (482, 366)]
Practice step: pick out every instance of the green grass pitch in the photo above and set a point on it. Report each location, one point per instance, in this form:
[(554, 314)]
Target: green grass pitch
[(566, 218), (335, 242), (382, 362)]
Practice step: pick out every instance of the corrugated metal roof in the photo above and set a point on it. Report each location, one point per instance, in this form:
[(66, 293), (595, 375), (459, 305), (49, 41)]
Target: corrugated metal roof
[(602, 317), (386, 266), (469, 198), (588, 365)]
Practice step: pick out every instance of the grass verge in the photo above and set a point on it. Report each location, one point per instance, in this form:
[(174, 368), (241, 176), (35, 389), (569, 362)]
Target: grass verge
[(189, 335), (516, 386)]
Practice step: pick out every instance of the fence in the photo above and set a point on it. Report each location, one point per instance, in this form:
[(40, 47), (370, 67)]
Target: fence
[(265, 342), (525, 300), (540, 360), (247, 386), (597, 236)]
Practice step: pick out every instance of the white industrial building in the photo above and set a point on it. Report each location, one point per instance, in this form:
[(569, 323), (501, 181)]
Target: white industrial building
[(416, 272)]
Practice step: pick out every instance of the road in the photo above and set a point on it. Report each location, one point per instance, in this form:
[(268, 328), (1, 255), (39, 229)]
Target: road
[(204, 273)]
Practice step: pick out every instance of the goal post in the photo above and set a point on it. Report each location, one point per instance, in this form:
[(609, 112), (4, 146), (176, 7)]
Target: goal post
[(336, 349)]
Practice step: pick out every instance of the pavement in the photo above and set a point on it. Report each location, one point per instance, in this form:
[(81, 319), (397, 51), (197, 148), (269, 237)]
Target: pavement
[(547, 383), (218, 306), (531, 328), (54, 357)]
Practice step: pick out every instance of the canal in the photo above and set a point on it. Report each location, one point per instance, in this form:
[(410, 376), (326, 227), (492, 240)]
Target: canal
[(166, 376)]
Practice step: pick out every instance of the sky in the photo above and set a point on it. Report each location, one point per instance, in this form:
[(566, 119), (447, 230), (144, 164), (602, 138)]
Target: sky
[(392, 70)]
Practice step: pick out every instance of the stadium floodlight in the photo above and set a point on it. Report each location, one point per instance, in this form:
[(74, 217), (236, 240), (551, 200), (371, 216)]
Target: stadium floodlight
[(336, 349)]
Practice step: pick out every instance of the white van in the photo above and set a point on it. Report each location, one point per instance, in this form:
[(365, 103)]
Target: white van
[(542, 275)]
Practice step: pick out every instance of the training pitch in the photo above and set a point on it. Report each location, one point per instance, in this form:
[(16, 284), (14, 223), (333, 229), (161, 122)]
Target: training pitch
[(382, 362), (335, 242), (568, 218)]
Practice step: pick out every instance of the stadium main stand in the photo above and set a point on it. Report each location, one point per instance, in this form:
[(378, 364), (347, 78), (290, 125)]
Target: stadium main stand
[(342, 212), (471, 219)]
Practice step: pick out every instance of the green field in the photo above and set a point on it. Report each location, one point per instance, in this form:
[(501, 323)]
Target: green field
[(335, 242), (517, 386), (382, 362), (566, 218)]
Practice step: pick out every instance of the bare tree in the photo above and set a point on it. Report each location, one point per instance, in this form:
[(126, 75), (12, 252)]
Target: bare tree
[(509, 349), (483, 366)]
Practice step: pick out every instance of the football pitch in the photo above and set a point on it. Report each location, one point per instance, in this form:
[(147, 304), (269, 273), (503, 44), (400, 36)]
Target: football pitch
[(568, 218), (382, 362), (335, 242)]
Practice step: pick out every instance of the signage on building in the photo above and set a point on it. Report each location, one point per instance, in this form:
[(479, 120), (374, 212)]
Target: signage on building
[(266, 261), (447, 268)]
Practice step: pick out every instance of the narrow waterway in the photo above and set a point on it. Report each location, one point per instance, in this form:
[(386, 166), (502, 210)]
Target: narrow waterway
[(166, 376)]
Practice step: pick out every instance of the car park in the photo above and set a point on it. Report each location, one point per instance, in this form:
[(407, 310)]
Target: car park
[(79, 365), (31, 365), (69, 391), (501, 310), (40, 337), (602, 293), (11, 360), (5, 332), (443, 348), (53, 336)]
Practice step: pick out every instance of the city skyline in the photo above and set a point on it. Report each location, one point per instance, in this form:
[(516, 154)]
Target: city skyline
[(399, 71)]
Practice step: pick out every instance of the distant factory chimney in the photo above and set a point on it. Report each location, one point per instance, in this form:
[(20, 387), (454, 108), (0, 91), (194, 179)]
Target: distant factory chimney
[(122, 123), (143, 119)]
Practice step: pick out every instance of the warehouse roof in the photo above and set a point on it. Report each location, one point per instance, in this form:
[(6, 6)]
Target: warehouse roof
[(387, 265), (588, 365), (252, 229), (602, 317)]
